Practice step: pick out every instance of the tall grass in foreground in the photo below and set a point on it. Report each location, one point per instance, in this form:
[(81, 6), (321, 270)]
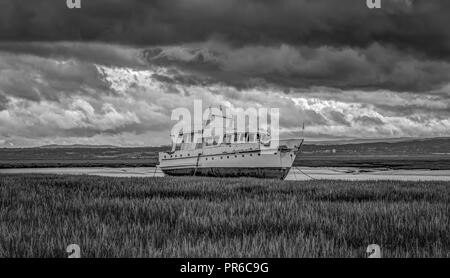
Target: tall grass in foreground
[(209, 217)]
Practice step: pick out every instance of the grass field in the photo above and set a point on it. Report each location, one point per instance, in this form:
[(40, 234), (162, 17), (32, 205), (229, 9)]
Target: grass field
[(208, 217)]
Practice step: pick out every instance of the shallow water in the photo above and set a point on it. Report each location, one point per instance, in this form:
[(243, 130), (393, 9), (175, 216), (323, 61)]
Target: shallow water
[(298, 173)]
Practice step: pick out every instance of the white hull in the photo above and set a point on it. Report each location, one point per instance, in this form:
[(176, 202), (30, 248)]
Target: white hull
[(230, 161)]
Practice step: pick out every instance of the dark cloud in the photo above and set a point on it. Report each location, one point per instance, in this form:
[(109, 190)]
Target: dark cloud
[(35, 78), (100, 53), (3, 102), (419, 25), (369, 121), (374, 67), (338, 118), (404, 46), (179, 78)]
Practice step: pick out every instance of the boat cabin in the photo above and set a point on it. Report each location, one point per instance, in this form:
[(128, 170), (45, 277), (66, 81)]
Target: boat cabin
[(234, 138)]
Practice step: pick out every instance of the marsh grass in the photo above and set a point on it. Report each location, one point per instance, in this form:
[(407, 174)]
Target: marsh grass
[(208, 217)]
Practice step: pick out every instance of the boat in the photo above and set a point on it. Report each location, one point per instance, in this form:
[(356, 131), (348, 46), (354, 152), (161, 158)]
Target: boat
[(239, 154)]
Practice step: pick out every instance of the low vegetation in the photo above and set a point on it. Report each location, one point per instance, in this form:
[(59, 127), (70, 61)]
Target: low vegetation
[(208, 217)]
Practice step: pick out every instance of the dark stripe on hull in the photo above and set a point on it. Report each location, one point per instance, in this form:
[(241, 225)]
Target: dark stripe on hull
[(267, 173)]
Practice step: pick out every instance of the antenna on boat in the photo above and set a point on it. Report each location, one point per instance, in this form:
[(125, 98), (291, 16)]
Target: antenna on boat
[(303, 130), (220, 116)]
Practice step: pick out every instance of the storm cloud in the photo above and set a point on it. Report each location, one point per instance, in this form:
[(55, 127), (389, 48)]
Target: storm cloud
[(300, 66), (419, 25), (112, 71)]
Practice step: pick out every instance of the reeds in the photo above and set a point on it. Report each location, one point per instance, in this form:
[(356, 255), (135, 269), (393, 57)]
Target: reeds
[(209, 217)]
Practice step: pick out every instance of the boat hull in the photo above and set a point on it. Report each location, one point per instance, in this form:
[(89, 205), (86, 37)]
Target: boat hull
[(266, 172), (238, 160)]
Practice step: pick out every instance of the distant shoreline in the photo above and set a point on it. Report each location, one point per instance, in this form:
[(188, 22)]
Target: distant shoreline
[(429, 162), (430, 154)]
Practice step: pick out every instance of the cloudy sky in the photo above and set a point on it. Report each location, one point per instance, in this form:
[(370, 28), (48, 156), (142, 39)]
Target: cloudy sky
[(113, 71)]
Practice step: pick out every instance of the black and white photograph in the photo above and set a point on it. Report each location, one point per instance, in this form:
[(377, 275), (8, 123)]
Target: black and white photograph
[(224, 129)]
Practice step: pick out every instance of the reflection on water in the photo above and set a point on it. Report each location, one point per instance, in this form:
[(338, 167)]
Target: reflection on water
[(298, 173)]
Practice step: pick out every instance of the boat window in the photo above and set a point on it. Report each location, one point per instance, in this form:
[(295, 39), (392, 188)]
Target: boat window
[(212, 158), (228, 156), (206, 158), (235, 156), (186, 138), (231, 138), (259, 154), (221, 157), (243, 155), (242, 137), (251, 154)]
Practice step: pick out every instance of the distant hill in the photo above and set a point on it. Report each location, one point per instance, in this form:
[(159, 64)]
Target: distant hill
[(395, 146), (366, 141), (429, 146), (78, 146)]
